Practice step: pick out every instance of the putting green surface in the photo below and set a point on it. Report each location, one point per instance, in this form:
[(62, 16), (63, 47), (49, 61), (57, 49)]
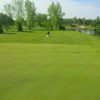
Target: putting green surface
[(49, 72)]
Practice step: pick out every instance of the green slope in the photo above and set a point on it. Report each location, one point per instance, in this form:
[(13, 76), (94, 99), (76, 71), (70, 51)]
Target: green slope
[(56, 37)]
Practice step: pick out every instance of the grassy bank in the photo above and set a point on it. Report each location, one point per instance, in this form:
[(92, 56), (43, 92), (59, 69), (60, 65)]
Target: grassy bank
[(56, 37)]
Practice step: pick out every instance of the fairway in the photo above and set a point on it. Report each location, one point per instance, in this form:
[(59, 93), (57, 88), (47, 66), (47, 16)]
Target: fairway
[(49, 50), (49, 72)]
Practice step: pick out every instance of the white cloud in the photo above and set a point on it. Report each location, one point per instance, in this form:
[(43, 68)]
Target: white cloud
[(70, 7), (79, 9), (2, 2)]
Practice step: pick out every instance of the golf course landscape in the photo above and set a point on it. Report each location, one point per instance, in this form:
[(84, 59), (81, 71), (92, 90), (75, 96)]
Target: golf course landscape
[(49, 49), (63, 66)]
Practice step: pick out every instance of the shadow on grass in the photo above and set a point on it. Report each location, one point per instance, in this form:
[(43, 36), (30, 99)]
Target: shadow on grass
[(29, 31), (35, 30), (7, 33)]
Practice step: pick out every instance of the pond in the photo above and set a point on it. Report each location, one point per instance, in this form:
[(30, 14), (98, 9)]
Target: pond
[(86, 32), (92, 32)]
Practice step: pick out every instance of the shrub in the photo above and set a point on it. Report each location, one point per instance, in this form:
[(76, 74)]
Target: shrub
[(61, 27), (19, 25), (1, 29)]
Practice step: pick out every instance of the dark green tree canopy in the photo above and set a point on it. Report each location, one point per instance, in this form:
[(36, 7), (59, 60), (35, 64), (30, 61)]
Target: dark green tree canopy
[(5, 21), (41, 20)]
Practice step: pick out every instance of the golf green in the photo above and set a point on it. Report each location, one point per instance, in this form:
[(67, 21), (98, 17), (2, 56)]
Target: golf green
[(49, 72)]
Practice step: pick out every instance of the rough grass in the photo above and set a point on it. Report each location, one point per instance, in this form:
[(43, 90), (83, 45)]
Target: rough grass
[(33, 67), (56, 37)]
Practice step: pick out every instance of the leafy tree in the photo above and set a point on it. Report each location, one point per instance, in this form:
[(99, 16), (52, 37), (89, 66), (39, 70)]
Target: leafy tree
[(80, 21), (97, 25), (89, 22), (97, 21), (5, 22), (8, 10), (67, 22), (84, 21), (1, 29), (74, 20), (41, 20), (55, 15), (19, 25), (30, 13), (18, 7)]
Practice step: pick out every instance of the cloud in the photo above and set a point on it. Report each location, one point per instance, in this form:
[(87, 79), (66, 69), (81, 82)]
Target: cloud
[(72, 8), (80, 9), (2, 2)]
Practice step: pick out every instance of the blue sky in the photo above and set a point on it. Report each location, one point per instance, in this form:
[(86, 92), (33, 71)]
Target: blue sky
[(82, 0), (72, 8)]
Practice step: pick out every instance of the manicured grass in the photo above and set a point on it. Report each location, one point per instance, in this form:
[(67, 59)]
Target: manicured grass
[(64, 66), (56, 37), (49, 72)]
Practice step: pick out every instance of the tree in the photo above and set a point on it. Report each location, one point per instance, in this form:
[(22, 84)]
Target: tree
[(74, 20), (80, 22), (97, 21), (55, 15), (30, 13), (68, 22), (1, 28), (8, 10), (42, 19), (97, 25), (88, 22), (18, 7), (84, 21), (5, 22)]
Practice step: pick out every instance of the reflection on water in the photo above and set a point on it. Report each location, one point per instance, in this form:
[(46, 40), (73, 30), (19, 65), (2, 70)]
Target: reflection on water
[(86, 32), (92, 32)]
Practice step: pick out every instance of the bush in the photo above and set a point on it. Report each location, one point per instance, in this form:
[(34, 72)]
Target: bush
[(19, 25), (1, 29), (61, 27), (5, 22), (97, 30)]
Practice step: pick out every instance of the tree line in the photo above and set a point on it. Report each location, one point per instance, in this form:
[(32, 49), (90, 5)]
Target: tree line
[(23, 13), (20, 12)]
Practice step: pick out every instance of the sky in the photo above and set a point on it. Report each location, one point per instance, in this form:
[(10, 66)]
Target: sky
[(71, 8)]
